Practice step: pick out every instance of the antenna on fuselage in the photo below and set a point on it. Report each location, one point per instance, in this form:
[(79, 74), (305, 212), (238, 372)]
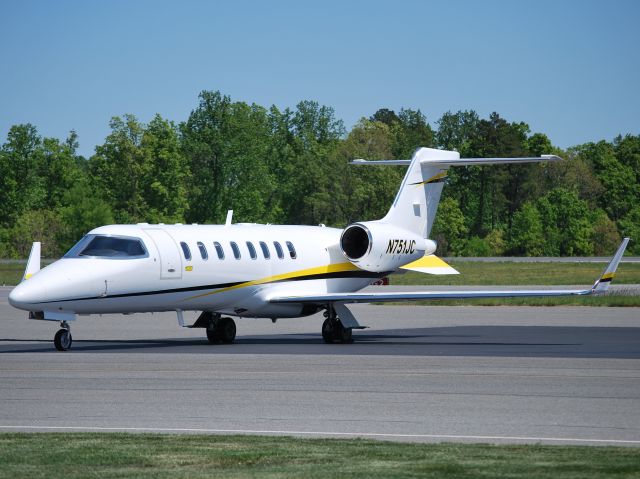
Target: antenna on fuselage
[(229, 218)]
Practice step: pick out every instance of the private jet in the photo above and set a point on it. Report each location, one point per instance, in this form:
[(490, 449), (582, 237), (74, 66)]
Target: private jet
[(214, 272)]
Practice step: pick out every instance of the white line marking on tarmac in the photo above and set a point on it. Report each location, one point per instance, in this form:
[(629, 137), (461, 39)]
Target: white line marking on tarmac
[(325, 433)]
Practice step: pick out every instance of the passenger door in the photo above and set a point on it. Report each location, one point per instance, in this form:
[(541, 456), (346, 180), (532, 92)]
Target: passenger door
[(168, 252)]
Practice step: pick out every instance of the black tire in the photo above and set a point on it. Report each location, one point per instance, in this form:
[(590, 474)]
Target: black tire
[(346, 335), (227, 330), (327, 331), (213, 336), (63, 340)]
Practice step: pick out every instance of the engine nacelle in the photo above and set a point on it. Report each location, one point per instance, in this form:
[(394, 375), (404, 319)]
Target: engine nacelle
[(378, 247)]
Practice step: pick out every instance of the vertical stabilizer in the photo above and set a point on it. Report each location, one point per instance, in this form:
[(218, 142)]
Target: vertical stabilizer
[(416, 203)]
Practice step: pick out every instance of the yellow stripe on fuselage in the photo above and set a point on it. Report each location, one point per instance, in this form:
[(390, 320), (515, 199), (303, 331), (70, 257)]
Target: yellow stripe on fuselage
[(329, 268), (439, 176), (607, 276)]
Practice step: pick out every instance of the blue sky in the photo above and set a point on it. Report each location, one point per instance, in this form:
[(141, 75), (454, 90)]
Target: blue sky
[(569, 69)]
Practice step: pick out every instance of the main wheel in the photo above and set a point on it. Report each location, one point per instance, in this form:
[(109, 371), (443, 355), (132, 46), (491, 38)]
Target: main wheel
[(227, 330), (213, 336), (62, 340), (345, 335), (327, 331)]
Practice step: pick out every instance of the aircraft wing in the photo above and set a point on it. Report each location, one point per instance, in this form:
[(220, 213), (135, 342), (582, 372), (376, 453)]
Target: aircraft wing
[(600, 286)]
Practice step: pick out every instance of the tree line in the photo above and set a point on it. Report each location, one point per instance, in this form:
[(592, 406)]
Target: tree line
[(290, 166)]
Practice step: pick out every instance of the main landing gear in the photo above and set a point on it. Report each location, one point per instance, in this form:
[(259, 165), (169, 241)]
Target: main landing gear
[(221, 330), (332, 329), (63, 340)]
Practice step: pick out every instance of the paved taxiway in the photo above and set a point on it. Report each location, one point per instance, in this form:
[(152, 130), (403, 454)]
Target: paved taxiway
[(503, 374)]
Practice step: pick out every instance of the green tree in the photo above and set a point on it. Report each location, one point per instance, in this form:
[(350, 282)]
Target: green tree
[(310, 182), (630, 226), (226, 144), (119, 167), (526, 236), (449, 230), (22, 186), (605, 234), (457, 131), (619, 181), (165, 178), (567, 223), (59, 169), (45, 226), (82, 212), (367, 191), (412, 131)]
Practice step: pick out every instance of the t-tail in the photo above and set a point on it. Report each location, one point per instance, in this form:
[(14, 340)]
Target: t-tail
[(401, 238), (416, 203)]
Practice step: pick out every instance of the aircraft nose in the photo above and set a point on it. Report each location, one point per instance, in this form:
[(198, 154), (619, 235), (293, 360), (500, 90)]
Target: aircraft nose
[(25, 295)]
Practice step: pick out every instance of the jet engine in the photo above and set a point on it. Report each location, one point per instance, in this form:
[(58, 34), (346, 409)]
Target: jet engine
[(376, 246)]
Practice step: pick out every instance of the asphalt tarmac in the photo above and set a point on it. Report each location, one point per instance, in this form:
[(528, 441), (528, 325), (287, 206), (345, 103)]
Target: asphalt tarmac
[(420, 373)]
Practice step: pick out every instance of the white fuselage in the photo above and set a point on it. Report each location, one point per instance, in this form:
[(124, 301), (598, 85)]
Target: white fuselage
[(164, 279)]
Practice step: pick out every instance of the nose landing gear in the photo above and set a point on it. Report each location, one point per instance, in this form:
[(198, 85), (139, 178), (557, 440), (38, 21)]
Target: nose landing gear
[(63, 340)]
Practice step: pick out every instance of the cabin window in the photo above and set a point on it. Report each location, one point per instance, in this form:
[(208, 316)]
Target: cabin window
[(292, 250), (265, 250), (203, 251), (106, 246), (236, 250), (186, 250), (219, 249), (252, 250), (278, 249)]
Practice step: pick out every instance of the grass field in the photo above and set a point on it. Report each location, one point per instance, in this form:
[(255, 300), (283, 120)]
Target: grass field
[(612, 300), (509, 273), (111, 455)]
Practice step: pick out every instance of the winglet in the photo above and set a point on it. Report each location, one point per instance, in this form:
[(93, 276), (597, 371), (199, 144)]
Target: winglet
[(602, 284), (33, 263)]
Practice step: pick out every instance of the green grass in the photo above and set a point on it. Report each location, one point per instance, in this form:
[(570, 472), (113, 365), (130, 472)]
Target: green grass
[(613, 300), (509, 273), (85, 455), (11, 273)]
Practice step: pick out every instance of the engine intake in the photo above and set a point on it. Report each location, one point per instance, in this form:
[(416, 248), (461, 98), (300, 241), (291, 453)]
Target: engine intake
[(376, 246), (355, 242)]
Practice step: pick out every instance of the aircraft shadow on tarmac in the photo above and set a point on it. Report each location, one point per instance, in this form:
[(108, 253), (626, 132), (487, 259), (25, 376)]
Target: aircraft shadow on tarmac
[(500, 341)]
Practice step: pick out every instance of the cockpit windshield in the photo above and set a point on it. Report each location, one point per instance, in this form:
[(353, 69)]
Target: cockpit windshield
[(104, 246)]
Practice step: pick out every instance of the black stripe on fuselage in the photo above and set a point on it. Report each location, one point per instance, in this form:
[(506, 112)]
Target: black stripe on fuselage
[(148, 293), (339, 274)]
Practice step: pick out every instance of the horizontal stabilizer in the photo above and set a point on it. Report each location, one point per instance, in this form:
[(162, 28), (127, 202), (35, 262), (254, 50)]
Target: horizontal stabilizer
[(447, 162), (430, 264)]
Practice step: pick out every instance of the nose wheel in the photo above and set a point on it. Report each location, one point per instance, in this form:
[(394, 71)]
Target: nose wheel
[(63, 340)]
